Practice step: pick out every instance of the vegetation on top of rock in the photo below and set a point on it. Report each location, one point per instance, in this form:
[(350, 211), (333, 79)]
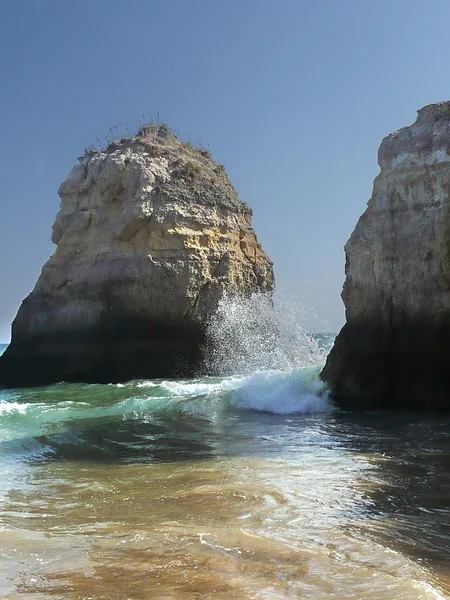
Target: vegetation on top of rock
[(147, 133), (190, 166)]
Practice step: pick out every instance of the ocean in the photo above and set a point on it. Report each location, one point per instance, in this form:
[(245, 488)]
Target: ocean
[(249, 485)]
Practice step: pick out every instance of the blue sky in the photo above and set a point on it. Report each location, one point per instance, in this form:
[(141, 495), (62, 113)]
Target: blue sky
[(293, 96)]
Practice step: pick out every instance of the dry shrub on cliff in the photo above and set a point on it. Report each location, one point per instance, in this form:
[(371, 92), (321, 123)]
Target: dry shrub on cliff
[(157, 137), (154, 131), (188, 170)]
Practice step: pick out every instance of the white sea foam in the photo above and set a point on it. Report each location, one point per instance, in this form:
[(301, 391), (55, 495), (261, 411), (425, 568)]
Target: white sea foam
[(145, 384), (202, 387), (13, 407), (277, 392)]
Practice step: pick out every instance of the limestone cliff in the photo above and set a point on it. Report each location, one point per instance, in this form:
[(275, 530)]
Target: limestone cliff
[(150, 234), (394, 349)]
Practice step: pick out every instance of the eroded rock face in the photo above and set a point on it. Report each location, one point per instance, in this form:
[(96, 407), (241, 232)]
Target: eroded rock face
[(394, 350), (150, 234)]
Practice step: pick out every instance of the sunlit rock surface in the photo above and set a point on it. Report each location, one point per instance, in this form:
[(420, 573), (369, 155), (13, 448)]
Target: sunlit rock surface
[(394, 349), (150, 234)]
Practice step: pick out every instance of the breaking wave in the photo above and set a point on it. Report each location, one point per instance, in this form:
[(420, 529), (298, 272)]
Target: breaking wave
[(264, 358)]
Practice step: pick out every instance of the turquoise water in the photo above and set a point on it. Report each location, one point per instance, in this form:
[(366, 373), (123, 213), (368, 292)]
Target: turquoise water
[(245, 486)]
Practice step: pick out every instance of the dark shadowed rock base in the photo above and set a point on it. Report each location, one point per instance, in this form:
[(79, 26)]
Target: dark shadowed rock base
[(94, 358), (375, 365)]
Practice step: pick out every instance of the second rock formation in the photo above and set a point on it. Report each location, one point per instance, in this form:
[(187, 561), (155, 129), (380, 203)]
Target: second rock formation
[(394, 349)]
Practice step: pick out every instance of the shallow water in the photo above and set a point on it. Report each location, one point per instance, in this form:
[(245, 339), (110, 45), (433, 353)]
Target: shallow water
[(187, 490)]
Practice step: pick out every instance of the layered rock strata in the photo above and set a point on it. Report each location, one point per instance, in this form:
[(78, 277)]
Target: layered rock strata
[(394, 349), (149, 236)]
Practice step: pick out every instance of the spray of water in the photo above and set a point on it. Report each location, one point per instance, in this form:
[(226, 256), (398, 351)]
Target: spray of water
[(258, 333)]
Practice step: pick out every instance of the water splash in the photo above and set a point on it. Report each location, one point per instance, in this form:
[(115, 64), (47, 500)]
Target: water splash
[(258, 334), (298, 392)]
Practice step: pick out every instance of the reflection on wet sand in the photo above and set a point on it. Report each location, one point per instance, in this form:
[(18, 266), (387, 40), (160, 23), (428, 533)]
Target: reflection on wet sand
[(283, 525), (408, 492)]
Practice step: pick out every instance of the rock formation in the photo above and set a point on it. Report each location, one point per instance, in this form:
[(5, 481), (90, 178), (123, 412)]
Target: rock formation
[(150, 234), (394, 350)]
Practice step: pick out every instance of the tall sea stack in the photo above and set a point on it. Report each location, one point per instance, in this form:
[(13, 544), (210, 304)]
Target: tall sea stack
[(394, 350), (150, 234)]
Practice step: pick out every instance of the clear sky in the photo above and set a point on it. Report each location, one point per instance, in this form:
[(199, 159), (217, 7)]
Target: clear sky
[(294, 96)]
